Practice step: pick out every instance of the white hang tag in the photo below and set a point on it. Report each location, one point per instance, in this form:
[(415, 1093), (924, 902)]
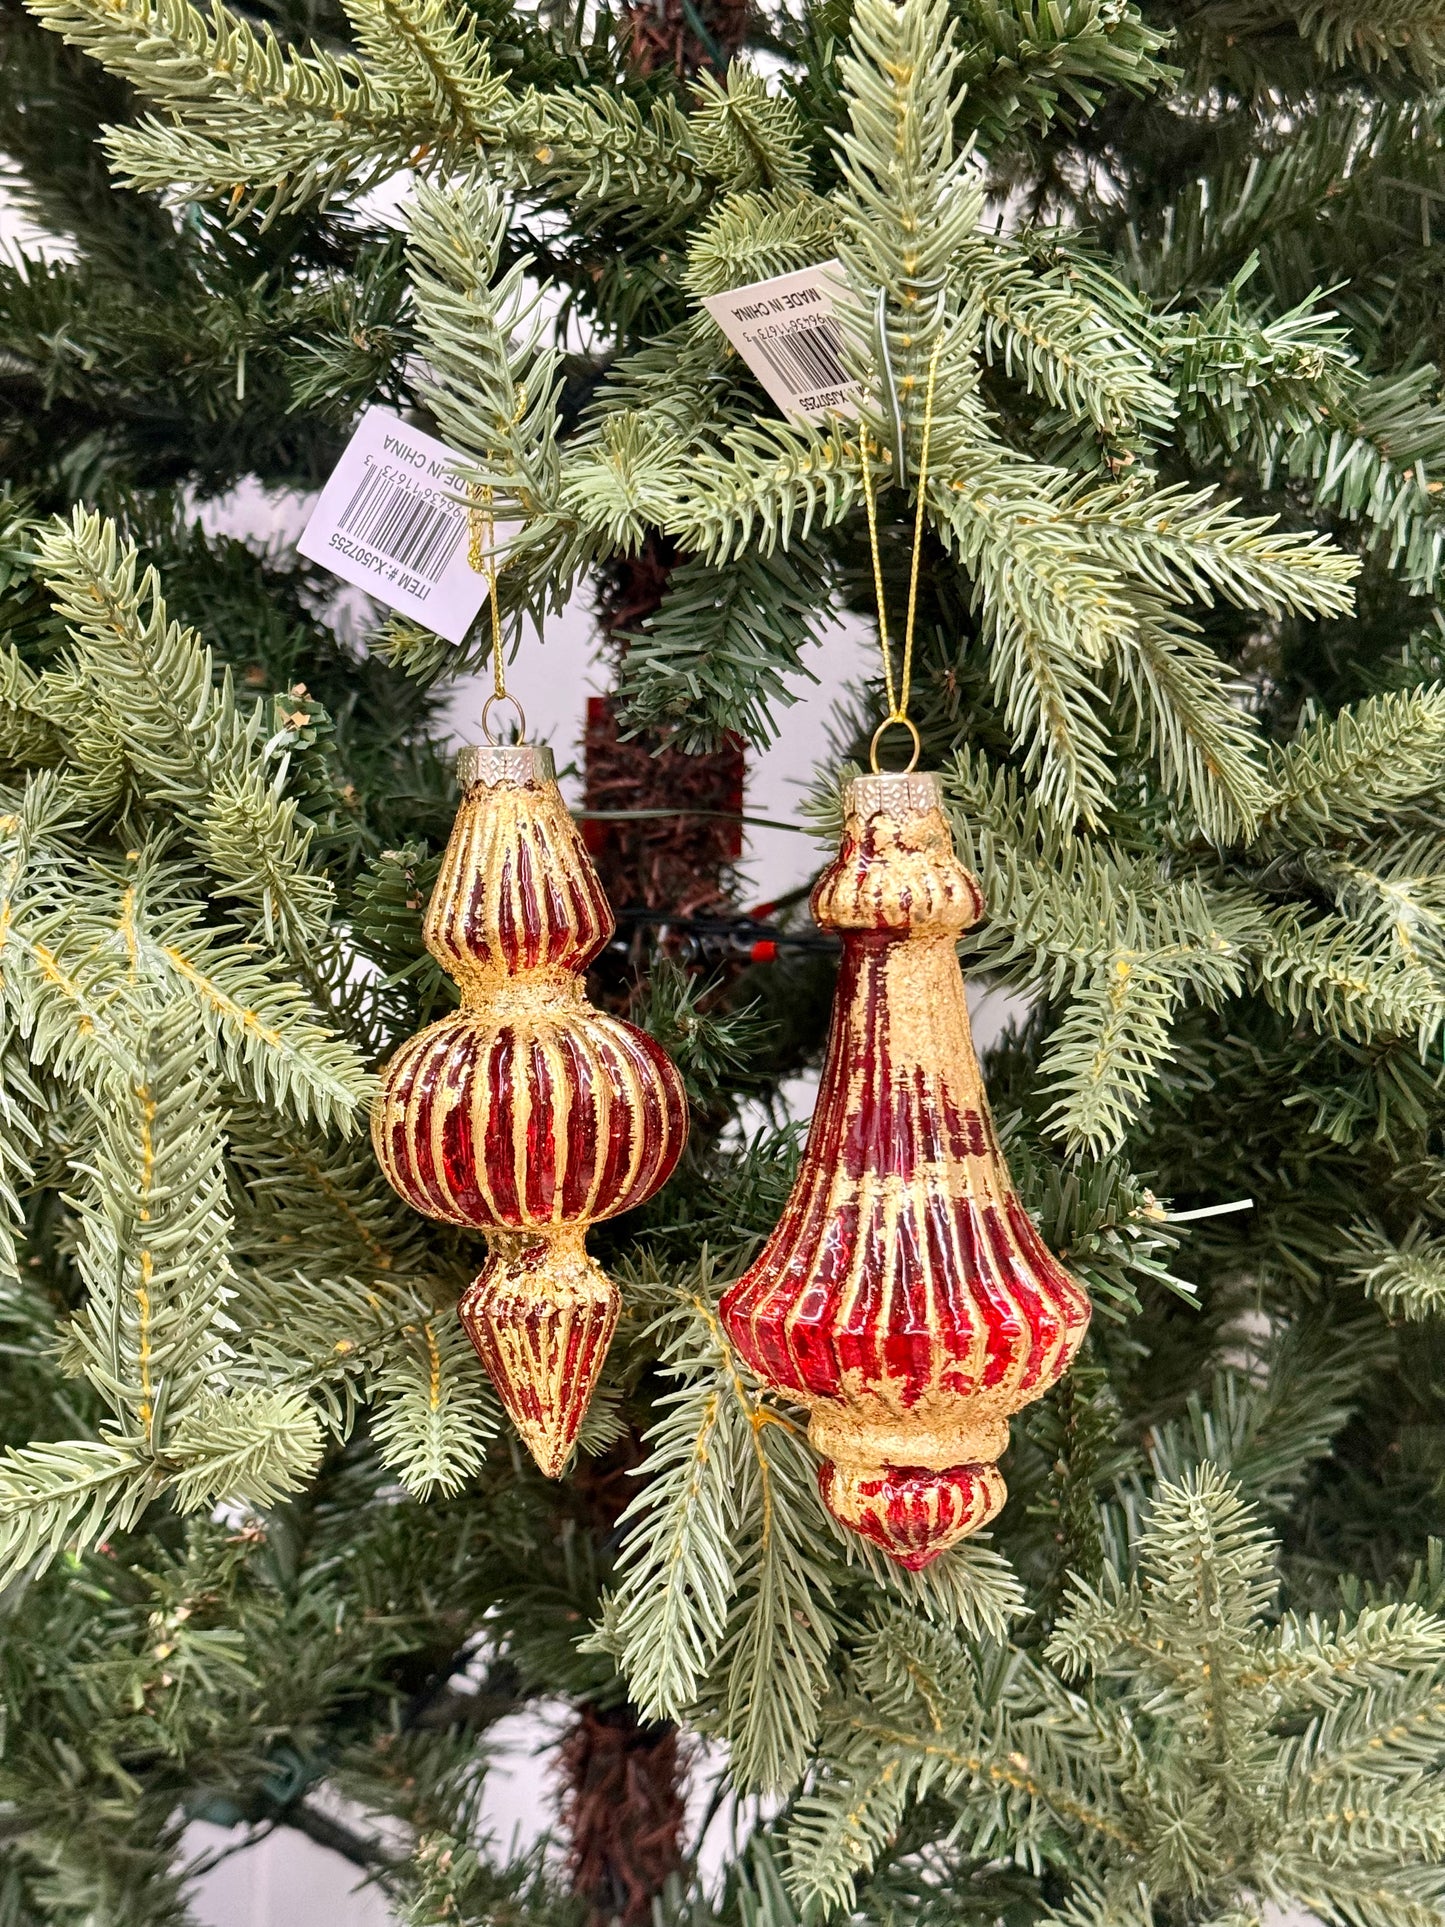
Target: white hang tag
[(787, 331), (389, 520)]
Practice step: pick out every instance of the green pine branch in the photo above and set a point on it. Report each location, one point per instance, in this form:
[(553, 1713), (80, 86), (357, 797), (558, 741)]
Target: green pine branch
[(183, 734), (432, 1410), (1405, 1276), (745, 625)]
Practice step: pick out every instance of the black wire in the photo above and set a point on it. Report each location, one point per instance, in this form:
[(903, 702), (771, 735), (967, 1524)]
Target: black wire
[(740, 935)]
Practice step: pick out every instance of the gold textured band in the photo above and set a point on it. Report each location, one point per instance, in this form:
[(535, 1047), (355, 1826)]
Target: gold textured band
[(504, 763), (894, 793)]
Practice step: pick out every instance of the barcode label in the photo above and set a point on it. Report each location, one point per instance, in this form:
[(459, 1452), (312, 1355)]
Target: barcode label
[(393, 520), (388, 512), (788, 333), (808, 358)]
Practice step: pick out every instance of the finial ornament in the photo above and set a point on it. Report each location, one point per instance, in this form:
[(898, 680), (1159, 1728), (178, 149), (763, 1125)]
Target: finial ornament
[(906, 1296), (526, 1113)]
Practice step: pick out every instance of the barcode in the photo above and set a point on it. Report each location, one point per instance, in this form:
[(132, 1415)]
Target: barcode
[(808, 358), (417, 530)]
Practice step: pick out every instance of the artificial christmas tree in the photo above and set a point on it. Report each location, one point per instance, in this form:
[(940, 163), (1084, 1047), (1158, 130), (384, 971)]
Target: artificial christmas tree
[(1178, 664)]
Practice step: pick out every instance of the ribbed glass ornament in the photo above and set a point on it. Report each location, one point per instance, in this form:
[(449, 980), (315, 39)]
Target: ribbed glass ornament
[(906, 1296), (526, 1113)]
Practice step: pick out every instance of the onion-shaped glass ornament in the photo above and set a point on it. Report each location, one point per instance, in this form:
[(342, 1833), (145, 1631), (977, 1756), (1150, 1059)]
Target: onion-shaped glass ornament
[(526, 1113)]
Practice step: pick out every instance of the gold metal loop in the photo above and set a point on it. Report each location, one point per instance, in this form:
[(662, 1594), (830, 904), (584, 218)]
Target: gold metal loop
[(505, 696), (896, 722)]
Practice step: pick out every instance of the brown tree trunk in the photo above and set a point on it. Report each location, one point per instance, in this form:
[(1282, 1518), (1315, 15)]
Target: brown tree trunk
[(622, 1800), (672, 33), (669, 862), (623, 1810), (623, 1781)]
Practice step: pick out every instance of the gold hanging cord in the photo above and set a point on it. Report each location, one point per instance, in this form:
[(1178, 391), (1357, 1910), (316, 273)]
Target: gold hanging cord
[(898, 696), (482, 555)]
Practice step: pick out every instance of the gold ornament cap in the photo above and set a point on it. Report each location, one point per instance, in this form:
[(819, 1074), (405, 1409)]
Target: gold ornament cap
[(505, 765), (893, 793)]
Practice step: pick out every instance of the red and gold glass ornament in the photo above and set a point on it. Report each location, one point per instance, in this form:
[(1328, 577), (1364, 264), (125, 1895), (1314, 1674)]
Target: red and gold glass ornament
[(527, 1114), (906, 1296)]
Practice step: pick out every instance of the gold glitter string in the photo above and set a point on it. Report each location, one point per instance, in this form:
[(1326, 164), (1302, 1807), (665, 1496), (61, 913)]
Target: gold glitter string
[(898, 695), (482, 555)]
